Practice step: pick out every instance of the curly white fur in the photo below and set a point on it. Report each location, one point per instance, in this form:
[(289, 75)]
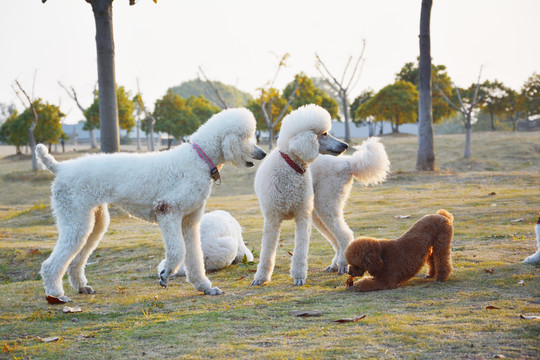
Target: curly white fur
[(221, 241), (286, 194), (332, 182), (535, 258), (169, 187)]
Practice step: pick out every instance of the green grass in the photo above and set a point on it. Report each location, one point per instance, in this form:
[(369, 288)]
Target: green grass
[(132, 317)]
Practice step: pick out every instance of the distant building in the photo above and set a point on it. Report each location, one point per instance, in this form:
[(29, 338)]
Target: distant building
[(362, 131)]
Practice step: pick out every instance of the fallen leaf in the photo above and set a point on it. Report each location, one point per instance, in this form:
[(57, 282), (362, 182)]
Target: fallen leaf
[(290, 253), (69, 310), (49, 339), (252, 270), (491, 307), (33, 251), (402, 216), (346, 320), (521, 282), (492, 193), (499, 356), (518, 220), (306, 313), (349, 282), (53, 300), (489, 271), (242, 278), (530, 317)]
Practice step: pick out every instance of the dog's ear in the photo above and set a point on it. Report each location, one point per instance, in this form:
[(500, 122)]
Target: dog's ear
[(373, 259), (232, 149), (304, 146)]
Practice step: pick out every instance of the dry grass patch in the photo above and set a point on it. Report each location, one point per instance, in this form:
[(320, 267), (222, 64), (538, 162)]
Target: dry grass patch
[(475, 315)]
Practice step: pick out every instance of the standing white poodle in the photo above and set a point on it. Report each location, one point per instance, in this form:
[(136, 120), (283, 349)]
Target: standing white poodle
[(332, 182), (284, 187), (221, 241), (170, 188)]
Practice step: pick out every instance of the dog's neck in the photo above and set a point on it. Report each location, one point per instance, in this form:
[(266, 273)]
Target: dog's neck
[(213, 152)]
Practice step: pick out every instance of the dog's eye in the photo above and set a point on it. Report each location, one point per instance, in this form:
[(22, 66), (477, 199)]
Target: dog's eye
[(324, 134)]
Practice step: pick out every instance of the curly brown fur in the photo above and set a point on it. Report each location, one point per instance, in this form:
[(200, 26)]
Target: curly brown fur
[(393, 262)]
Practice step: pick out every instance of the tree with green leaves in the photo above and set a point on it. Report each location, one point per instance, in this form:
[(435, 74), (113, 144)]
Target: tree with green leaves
[(148, 125), (179, 117), (439, 79), (108, 107), (48, 129), (358, 117), (531, 94), (308, 93), (397, 103), (492, 101), (125, 111), (514, 106)]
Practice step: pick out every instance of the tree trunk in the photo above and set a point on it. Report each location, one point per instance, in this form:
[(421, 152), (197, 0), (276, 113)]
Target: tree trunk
[(270, 137), (425, 159), (108, 107), (138, 135), (468, 131), (151, 132), (32, 141), (345, 109), (491, 117), (93, 144)]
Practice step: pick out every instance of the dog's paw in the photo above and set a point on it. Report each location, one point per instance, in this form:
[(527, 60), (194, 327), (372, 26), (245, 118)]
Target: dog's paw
[(331, 268), (257, 282), (299, 282), (164, 277), (343, 269), (213, 291), (86, 290)]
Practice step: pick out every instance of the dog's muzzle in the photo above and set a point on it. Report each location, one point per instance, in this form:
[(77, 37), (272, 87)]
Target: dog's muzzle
[(330, 145), (257, 154)]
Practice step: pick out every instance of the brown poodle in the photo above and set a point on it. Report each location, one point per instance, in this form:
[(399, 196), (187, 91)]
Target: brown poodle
[(393, 262)]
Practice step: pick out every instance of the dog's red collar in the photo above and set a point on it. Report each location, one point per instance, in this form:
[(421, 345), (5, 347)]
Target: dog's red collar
[(214, 172), (292, 164)]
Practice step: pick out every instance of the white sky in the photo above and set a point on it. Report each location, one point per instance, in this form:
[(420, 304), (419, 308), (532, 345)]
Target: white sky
[(239, 42)]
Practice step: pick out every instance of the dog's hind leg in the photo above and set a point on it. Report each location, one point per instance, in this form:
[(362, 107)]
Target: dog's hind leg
[(299, 262), (170, 225), (268, 250), (331, 239), (74, 228), (342, 235), (76, 274), (442, 260), (431, 266), (194, 263)]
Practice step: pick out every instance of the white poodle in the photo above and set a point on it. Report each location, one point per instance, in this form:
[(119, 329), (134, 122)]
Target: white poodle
[(169, 187), (221, 241), (535, 258), (332, 181), (284, 187)]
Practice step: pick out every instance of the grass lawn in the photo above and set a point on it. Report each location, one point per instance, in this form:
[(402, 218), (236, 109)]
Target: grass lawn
[(494, 197)]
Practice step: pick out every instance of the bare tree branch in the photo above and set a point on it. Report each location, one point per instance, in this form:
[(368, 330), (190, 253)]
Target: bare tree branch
[(72, 95), (450, 102), (222, 103), (360, 60)]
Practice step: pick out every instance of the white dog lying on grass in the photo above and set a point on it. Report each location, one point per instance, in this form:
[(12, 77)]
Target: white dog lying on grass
[(221, 241)]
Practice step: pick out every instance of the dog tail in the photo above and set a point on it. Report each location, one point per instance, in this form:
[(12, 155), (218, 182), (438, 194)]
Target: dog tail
[(446, 214), (369, 163), (47, 160)]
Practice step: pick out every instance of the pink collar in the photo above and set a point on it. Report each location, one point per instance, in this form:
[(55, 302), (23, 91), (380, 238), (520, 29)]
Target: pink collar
[(292, 164), (214, 172)]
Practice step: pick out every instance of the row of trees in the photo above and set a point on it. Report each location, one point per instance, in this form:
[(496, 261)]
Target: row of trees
[(398, 102)]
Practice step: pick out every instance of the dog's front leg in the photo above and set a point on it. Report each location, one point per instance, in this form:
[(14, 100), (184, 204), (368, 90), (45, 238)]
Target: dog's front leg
[(268, 250), (194, 262), (299, 262), (369, 284), (171, 230)]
